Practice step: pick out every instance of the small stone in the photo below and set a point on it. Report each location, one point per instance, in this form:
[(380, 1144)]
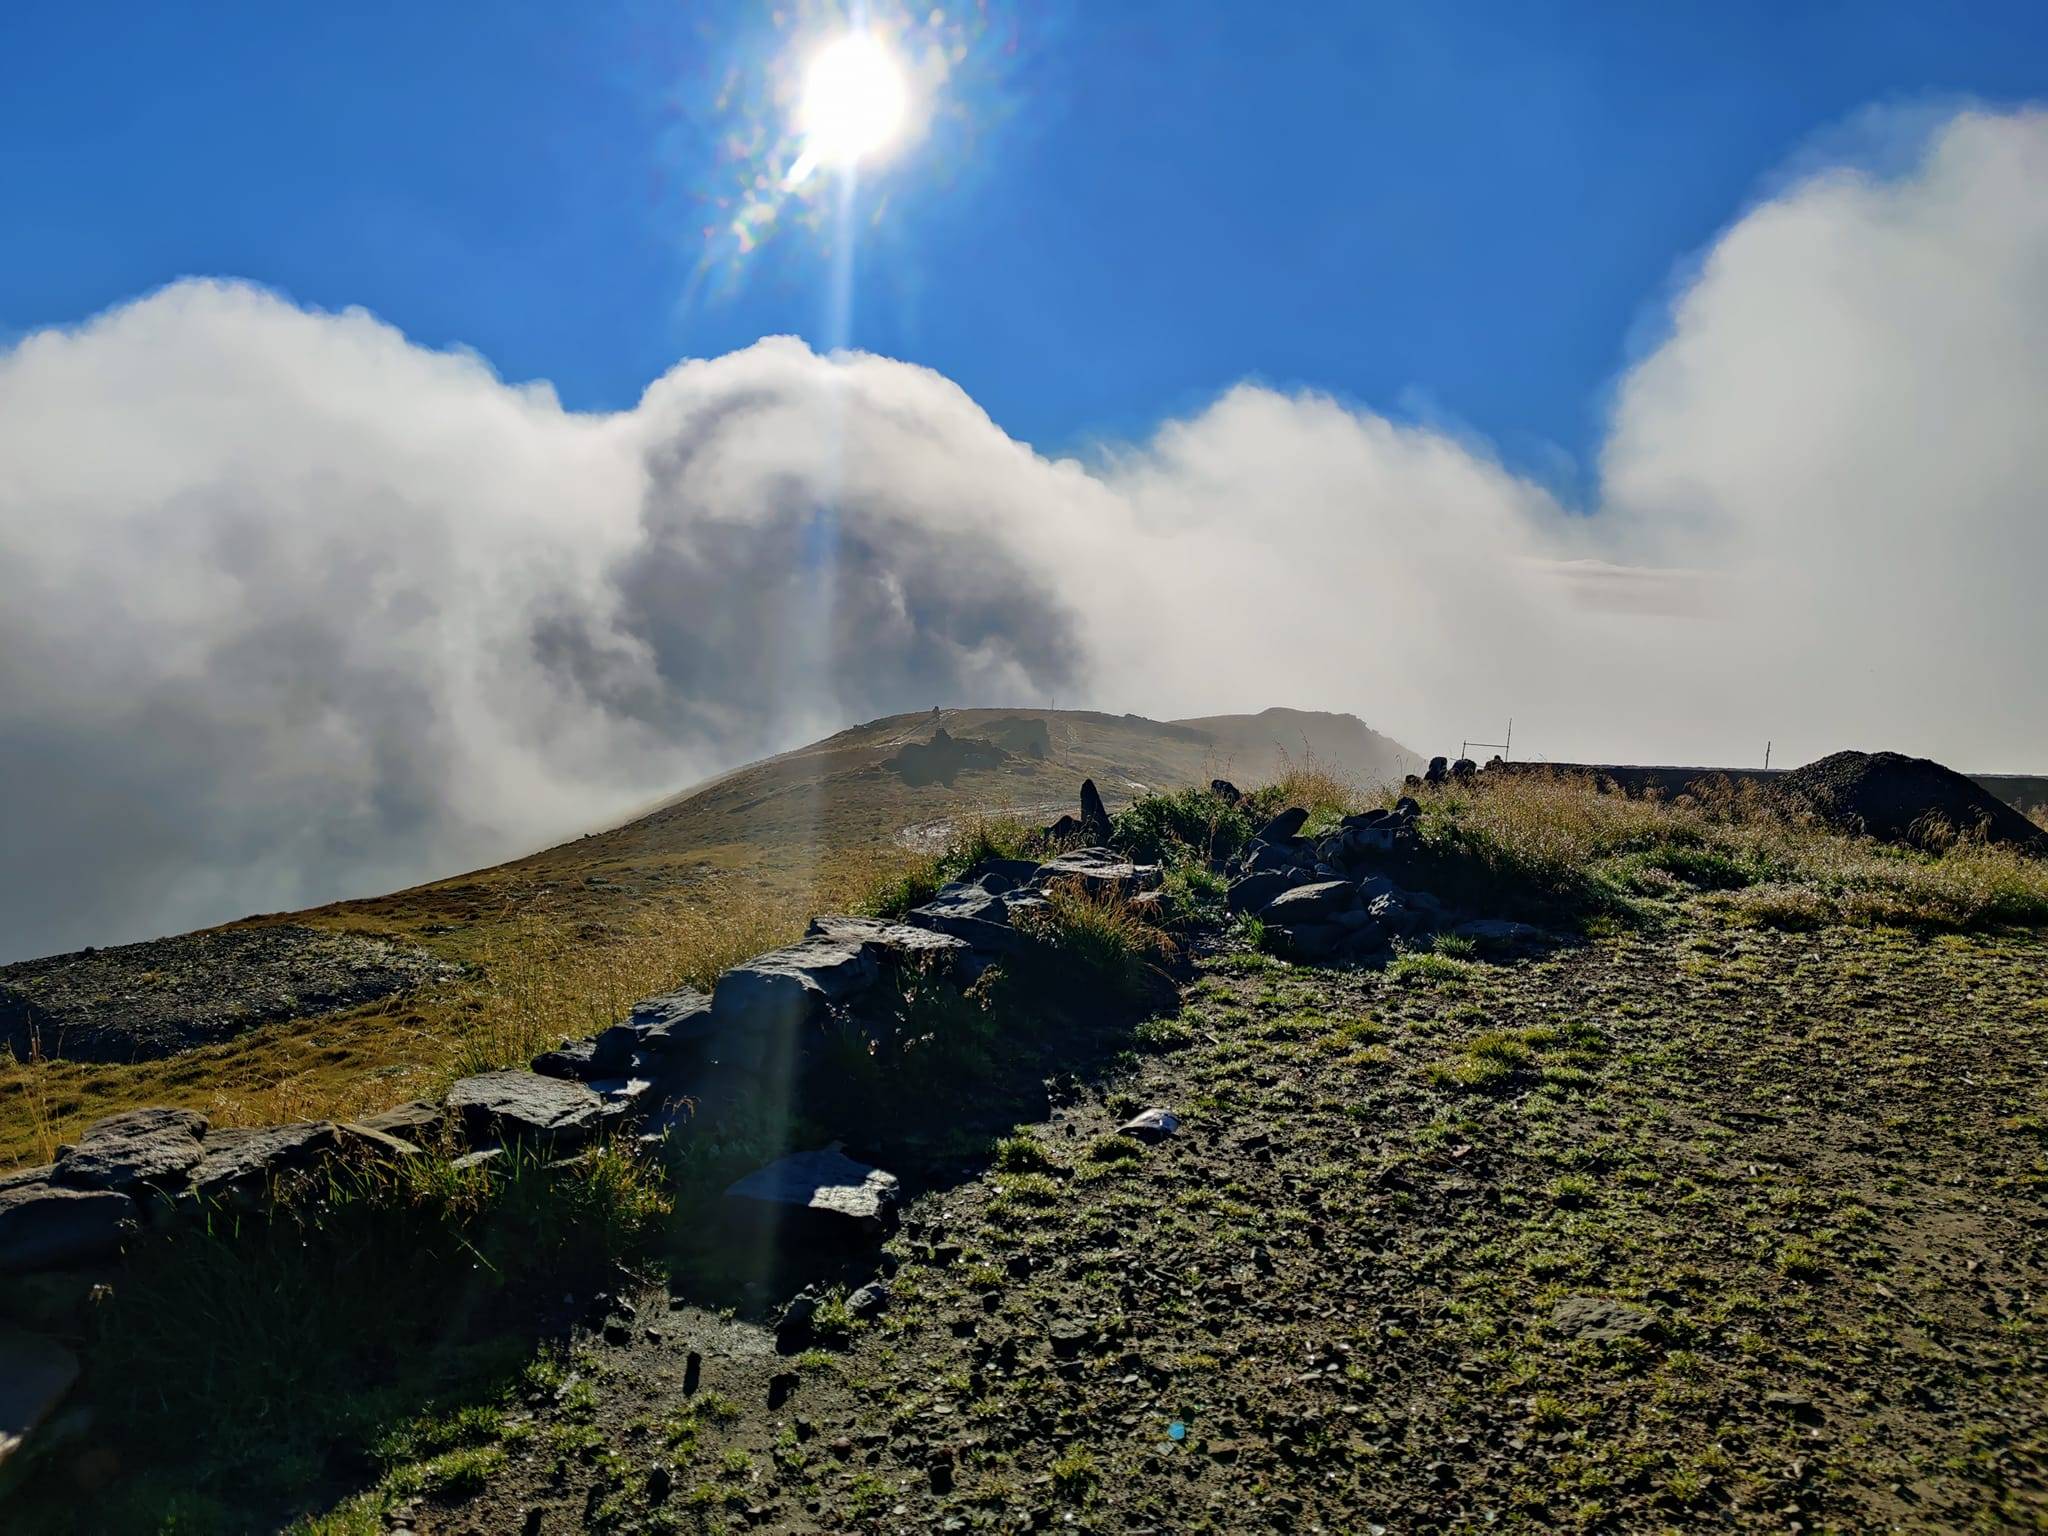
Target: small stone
[(1152, 1125), (1600, 1320), (869, 1300), (1794, 1405)]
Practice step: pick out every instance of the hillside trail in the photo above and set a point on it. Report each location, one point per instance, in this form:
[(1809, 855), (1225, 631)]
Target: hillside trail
[(1703, 1228)]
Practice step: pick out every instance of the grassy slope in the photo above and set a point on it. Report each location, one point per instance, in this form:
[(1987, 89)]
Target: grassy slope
[(561, 941)]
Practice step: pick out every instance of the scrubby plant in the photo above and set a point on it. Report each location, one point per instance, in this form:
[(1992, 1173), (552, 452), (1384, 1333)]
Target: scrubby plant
[(1196, 823), (977, 840), (244, 1349), (1100, 940)]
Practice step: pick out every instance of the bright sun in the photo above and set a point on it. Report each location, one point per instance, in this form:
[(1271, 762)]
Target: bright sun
[(853, 103)]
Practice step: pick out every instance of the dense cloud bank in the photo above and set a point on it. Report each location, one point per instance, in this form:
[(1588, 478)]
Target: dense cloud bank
[(292, 608)]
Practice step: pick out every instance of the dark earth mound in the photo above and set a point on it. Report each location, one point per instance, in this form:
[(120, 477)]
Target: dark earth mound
[(943, 758), (1907, 800), (138, 1002)]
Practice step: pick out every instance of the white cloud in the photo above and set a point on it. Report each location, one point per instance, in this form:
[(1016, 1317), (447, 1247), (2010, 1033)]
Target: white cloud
[(290, 607)]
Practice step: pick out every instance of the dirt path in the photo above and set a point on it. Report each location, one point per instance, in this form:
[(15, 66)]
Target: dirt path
[(1708, 1228)]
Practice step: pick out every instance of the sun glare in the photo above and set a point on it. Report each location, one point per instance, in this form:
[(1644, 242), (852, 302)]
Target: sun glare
[(854, 101)]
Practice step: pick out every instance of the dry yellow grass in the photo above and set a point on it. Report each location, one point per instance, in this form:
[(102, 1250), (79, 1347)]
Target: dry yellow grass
[(539, 975), (1564, 835)]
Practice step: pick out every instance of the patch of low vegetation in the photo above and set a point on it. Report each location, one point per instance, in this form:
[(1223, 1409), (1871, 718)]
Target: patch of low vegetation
[(1554, 849), (1099, 940), (980, 838), (236, 1358), (1185, 824)]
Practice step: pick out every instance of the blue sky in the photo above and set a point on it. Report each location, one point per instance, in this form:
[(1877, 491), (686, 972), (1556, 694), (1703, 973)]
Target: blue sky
[(1454, 210)]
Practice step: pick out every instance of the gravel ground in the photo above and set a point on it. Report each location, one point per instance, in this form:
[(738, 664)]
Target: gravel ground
[(139, 1002), (1714, 1228)]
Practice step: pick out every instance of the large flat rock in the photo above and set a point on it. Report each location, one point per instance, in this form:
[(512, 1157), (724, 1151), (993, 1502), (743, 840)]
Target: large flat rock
[(135, 1147), (897, 944), (248, 1158), (49, 1226), (524, 1106), (827, 1185), (983, 919), (1099, 869)]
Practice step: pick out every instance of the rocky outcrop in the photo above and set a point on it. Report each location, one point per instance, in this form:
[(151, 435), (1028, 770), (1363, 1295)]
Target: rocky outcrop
[(1332, 897), (943, 759), (135, 1147)]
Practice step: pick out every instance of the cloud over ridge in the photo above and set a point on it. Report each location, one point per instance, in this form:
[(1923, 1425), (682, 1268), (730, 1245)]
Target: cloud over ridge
[(291, 607)]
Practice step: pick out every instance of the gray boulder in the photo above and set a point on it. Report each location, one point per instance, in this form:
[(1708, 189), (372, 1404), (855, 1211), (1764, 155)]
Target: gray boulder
[(824, 1186), (1284, 827), (1094, 814), (523, 1106), (1016, 871), (893, 944), (1099, 869), (1499, 933), (48, 1226), (1377, 838), (414, 1122), (575, 1060), (1262, 858), (137, 1146), (1254, 893), (1316, 903), (1395, 914), (657, 1028), (246, 1159), (982, 919), (761, 1008)]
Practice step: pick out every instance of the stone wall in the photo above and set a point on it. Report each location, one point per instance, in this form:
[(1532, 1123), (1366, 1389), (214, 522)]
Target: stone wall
[(646, 1077)]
